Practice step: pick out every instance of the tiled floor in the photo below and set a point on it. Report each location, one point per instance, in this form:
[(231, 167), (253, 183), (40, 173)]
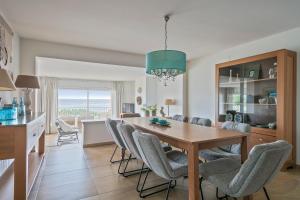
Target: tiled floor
[(71, 173)]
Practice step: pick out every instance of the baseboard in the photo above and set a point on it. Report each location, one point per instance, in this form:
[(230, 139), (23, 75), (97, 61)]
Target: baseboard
[(97, 144)]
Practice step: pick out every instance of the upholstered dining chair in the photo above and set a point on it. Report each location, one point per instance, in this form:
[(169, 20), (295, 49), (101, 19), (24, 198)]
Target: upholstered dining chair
[(180, 118), (126, 132), (228, 151), (170, 165), (201, 121), (236, 180), (112, 129)]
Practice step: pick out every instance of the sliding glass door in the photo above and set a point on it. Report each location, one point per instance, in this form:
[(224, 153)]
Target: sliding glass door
[(84, 104)]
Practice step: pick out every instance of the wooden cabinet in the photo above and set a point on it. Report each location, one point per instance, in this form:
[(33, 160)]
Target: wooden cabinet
[(261, 91), (23, 140)]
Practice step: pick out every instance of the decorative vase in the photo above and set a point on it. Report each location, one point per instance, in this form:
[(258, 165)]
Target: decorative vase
[(147, 113), (153, 113), (21, 109)]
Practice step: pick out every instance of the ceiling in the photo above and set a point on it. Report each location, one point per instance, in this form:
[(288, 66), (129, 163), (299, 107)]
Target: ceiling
[(198, 27), (92, 71)]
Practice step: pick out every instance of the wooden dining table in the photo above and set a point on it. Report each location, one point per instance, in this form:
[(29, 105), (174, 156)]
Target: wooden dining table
[(192, 138)]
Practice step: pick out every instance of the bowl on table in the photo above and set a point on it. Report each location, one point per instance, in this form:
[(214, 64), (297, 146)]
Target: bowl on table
[(154, 120), (163, 122)]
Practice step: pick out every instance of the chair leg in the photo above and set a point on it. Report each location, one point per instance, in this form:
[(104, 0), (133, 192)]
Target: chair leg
[(77, 137), (266, 193), (112, 156), (131, 172), (121, 161), (140, 176), (58, 140), (201, 191), (142, 190), (168, 191)]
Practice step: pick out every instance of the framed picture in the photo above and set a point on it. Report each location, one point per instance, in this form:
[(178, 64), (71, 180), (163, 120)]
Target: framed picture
[(252, 71)]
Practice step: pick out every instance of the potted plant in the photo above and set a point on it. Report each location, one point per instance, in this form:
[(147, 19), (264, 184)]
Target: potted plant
[(153, 110), (146, 111)]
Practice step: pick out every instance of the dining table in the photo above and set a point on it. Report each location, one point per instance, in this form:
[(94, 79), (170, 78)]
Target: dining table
[(192, 138)]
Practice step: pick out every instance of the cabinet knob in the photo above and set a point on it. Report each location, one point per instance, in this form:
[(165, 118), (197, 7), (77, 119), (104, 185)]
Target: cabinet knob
[(260, 139), (34, 134)]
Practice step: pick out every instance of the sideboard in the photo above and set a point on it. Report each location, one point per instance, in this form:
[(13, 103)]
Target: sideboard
[(23, 141)]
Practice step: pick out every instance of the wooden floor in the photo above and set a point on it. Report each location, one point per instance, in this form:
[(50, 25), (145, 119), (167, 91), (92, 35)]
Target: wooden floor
[(71, 172)]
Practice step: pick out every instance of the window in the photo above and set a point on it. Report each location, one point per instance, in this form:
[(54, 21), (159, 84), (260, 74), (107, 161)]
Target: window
[(84, 103)]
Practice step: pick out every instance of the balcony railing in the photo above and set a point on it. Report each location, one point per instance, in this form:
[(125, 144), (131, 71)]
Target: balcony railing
[(84, 112)]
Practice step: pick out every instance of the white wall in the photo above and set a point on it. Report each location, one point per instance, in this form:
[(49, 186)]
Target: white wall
[(140, 83), (61, 68), (174, 90), (154, 92), (201, 73), (30, 49)]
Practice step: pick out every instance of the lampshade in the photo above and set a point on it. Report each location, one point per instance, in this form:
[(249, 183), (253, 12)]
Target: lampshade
[(25, 81), (6, 83), (166, 60), (170, 102)]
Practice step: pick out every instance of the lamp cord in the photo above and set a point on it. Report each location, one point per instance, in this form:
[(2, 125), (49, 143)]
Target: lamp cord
[(167, 17)]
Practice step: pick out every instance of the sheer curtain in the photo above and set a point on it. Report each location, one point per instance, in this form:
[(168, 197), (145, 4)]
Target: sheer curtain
[(118, 97), (48, 102)]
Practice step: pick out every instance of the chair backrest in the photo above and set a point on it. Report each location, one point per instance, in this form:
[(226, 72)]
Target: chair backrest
[(180, 118), (194, 120), (241, 127), (201, 121), (63, 126), (263, 163), (204, 122), (152, 154), (112, 129), (126, 133)]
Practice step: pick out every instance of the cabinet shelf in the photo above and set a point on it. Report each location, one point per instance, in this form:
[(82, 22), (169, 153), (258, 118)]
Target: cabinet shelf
[(246, 81), (256, 104), (260, 101)]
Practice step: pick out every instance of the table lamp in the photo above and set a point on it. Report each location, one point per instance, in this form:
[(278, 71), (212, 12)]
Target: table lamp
[(29, 83), (170, 102)]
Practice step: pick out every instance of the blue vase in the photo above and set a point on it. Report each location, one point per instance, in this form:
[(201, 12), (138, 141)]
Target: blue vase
[(21, 109)]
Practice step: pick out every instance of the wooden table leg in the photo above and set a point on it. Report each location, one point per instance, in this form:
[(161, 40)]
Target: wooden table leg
[(193, 172), (244, 156), (20, 165), (244, 149)]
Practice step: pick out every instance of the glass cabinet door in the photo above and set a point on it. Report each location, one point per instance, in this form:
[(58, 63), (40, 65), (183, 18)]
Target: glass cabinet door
[(248, 93)]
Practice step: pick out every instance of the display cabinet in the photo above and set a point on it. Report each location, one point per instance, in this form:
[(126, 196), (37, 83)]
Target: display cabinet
[(261, 91)]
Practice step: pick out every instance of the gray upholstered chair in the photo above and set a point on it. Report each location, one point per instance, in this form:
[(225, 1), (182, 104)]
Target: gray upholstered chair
[(112, 129), (194, 120), (201, 121), (180, 118), (170, 166), (236, 180), (126, 132), (228, 151)]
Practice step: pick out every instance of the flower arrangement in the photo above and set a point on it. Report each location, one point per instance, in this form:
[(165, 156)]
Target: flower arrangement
[(150, 110)]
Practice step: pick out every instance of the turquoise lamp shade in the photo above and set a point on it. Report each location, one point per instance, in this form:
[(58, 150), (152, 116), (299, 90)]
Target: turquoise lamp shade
[(166, 61)]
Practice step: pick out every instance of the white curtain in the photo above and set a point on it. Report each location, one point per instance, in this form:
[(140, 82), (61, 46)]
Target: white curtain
[(118, 97), (48, 102)]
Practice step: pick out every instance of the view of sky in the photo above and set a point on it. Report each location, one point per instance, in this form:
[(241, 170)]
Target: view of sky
[(82, 94)]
